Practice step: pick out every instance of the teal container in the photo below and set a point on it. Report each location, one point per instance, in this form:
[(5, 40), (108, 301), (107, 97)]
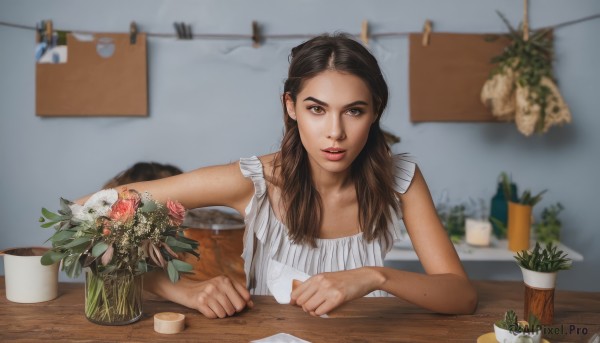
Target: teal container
[(499, 209)]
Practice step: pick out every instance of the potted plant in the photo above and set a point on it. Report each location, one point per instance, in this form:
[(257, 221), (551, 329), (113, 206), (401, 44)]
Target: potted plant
[(539, 268), (510, 329), (548, 229), (453, 219), (519, 215)]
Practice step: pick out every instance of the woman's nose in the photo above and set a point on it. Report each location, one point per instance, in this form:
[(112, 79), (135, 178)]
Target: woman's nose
[(336, 128)]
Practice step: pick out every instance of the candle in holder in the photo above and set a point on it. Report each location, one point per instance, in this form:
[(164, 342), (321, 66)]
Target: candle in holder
[(478, 232)]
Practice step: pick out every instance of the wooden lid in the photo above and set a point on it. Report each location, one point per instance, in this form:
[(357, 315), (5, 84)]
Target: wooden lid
[(169, 322)]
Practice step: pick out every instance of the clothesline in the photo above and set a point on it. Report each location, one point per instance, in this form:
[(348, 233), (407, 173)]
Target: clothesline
[(278, 36)]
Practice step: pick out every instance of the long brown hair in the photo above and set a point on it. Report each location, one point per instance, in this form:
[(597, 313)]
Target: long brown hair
[(371, 171)]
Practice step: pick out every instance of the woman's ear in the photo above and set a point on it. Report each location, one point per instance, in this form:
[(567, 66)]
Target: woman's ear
[(289, 105)]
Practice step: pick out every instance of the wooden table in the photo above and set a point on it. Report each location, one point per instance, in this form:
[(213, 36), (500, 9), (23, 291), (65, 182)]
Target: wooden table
[(363, 320)]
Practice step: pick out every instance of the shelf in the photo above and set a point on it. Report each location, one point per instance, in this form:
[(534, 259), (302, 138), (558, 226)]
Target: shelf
[(497, 251)]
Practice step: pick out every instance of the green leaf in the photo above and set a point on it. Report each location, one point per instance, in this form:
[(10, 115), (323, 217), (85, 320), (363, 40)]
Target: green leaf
[(99, 249), (62, 235), (51, 257), (172, 271), (148, 206), (184, 239), (173, 242), (182, 266), (49, 215), (49, 224), (142, 266), (72, 266), (77, 241)]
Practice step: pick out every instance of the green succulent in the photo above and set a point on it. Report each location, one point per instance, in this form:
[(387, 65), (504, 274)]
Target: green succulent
[(511, 323), (547, 260)]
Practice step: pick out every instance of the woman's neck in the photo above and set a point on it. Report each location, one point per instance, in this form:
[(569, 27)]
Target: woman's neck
[(330, 183)]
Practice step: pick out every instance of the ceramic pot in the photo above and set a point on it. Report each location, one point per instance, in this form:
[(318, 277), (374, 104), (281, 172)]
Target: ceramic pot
[(539, 295), (27, 280), (508, 336)]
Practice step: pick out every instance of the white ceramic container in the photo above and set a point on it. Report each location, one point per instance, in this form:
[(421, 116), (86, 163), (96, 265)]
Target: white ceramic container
[(26, 279)]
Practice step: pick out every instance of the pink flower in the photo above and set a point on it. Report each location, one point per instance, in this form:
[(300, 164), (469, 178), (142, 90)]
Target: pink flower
[(176, 212), (124, 210)]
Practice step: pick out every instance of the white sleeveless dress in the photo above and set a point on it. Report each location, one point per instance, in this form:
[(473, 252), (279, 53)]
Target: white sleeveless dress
[(266, 237)]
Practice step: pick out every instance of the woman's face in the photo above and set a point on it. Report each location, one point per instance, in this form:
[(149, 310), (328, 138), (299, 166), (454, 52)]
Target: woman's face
[(334, 111)]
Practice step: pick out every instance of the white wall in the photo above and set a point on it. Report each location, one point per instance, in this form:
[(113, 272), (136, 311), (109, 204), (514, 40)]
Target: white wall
[(215, 101)]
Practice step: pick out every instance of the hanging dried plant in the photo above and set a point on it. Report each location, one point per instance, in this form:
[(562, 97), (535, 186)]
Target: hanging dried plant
[(521, 87)]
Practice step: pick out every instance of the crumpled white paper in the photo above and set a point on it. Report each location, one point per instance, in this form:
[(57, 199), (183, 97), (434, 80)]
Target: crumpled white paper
[(280, 338), (279, 280)]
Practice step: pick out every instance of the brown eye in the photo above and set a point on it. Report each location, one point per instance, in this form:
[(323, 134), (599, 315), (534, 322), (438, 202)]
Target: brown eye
[(355, 112), (316, 109)]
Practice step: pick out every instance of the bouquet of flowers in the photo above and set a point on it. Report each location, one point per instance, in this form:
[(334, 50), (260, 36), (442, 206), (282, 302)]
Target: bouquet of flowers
[(118, 236)]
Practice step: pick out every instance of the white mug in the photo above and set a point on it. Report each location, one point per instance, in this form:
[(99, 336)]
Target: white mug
[(26, 279)]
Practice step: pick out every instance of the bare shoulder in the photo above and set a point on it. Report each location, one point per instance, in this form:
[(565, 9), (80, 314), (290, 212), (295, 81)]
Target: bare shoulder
[(218, 185)]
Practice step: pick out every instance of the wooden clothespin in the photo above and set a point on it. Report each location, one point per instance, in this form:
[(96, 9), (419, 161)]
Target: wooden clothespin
[(255, 34), (48, 32), (427, 32), (364, 32), (525, 21), (133, 31)]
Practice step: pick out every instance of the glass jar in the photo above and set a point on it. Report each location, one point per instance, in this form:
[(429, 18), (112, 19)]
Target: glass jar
[(113, 298)]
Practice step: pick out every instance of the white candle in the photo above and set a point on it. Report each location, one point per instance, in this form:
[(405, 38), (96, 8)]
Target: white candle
[(478, 232)]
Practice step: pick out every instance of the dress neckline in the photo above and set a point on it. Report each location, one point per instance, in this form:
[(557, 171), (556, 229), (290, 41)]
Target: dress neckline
[(283, 226)]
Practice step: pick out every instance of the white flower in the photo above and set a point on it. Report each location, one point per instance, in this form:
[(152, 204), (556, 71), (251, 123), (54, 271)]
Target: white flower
[(99, 204)]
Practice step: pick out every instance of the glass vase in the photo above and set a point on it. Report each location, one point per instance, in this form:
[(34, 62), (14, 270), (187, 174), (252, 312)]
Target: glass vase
[(113, 298)]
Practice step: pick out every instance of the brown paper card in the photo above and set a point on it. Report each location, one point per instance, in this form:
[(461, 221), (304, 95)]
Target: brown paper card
[(446, 76), (91, 85)]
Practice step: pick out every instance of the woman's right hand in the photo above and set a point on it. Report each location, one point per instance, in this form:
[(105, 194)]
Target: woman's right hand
[(218, 297)]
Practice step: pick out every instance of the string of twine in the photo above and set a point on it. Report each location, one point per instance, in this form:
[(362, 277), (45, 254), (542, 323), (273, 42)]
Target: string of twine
[(305, 36)]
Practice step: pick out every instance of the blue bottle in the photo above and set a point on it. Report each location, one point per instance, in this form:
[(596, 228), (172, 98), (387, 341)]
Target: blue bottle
[(499, 209)]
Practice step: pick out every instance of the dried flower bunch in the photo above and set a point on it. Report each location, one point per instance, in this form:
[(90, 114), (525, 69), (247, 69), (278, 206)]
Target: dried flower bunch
[(521, 87), (118, 231)]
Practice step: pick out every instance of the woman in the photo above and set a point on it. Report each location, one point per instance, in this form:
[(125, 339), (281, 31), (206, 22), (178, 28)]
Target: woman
[(328, 203)]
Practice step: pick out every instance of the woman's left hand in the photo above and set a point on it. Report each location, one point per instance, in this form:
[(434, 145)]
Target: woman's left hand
[(324, 292)]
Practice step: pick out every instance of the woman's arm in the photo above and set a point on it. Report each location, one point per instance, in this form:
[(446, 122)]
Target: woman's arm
[(222, 185), (445, 288)]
